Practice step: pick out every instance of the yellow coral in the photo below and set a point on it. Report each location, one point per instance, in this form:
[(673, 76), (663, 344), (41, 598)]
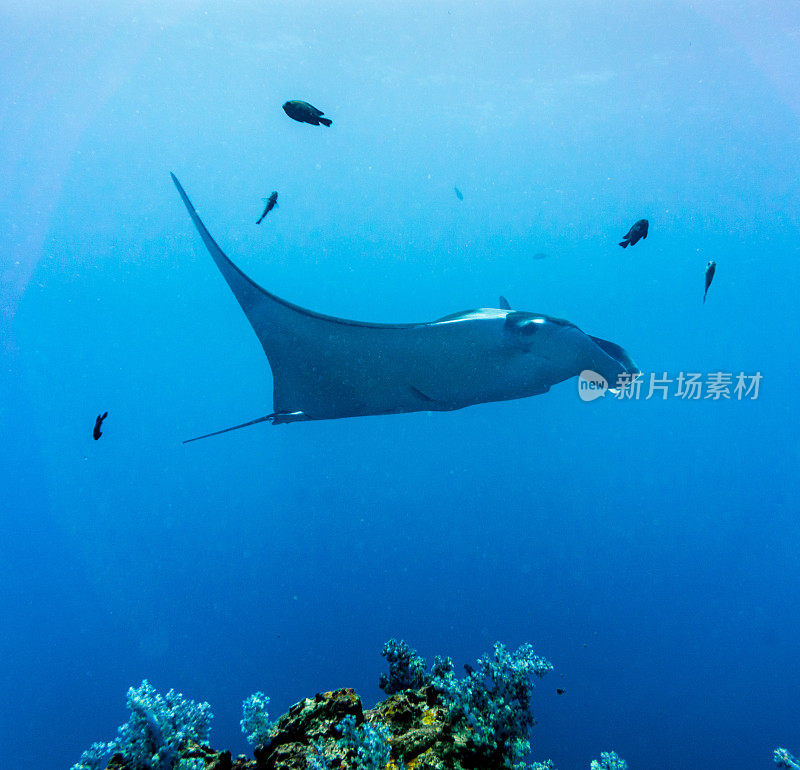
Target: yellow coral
[(393, 708), (430, 716), (413, 763)]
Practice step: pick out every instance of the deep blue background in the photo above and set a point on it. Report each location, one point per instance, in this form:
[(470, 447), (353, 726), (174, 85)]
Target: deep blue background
[(649, 549)]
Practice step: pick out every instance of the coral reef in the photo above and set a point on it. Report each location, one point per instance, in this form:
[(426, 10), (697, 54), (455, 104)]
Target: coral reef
[(609, 761), (93, 758), (492, 704), (407, 670), (429, 721), (368, 744), (495, 702), (255, 719), (784, 759), (156, 735)]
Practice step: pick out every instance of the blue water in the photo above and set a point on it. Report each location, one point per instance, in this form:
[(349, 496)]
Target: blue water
[(648, 548)]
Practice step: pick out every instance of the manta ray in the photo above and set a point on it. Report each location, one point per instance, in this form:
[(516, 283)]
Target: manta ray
[(325, 368)]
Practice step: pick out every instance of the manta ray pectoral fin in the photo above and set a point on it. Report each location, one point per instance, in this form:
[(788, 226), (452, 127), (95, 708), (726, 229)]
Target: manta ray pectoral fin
[(281, 418), (311, 355)]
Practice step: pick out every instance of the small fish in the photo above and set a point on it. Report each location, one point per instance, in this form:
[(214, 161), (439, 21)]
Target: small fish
[(98, 423), (469, 669), (459, 194), (272, 201), (560, 690), (540, 255), (639, 230), (711, 268), (303, 112)]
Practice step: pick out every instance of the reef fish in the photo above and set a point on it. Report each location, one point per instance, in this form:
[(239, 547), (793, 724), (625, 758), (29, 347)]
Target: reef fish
[(326, 368), (98, 423), (711, 268), (639, 230), (303, 112), (271, 202), (459, 194)]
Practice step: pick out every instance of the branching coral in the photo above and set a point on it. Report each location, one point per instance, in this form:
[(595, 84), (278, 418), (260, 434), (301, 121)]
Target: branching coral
[(255, 719), (94, 756), (406, 668), (158, 728), (784, 759), (366, 747), (609, 760), (496, 700), (369, 743)]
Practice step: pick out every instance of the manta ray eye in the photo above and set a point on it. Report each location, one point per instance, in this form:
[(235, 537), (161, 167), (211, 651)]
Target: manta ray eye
[(531, 326), (523, 328)]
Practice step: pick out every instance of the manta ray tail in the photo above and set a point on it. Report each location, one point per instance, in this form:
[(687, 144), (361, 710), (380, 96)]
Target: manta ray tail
[(276, 418), (265, 418)]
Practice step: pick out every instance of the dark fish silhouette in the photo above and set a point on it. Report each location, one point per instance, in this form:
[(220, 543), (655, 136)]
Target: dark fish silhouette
[(469, 669), (540, 255), (98, 423), (560, 690), (325, 368), (711, 268), (459, 194), (272, 201), (639, 230), (303, 112)]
